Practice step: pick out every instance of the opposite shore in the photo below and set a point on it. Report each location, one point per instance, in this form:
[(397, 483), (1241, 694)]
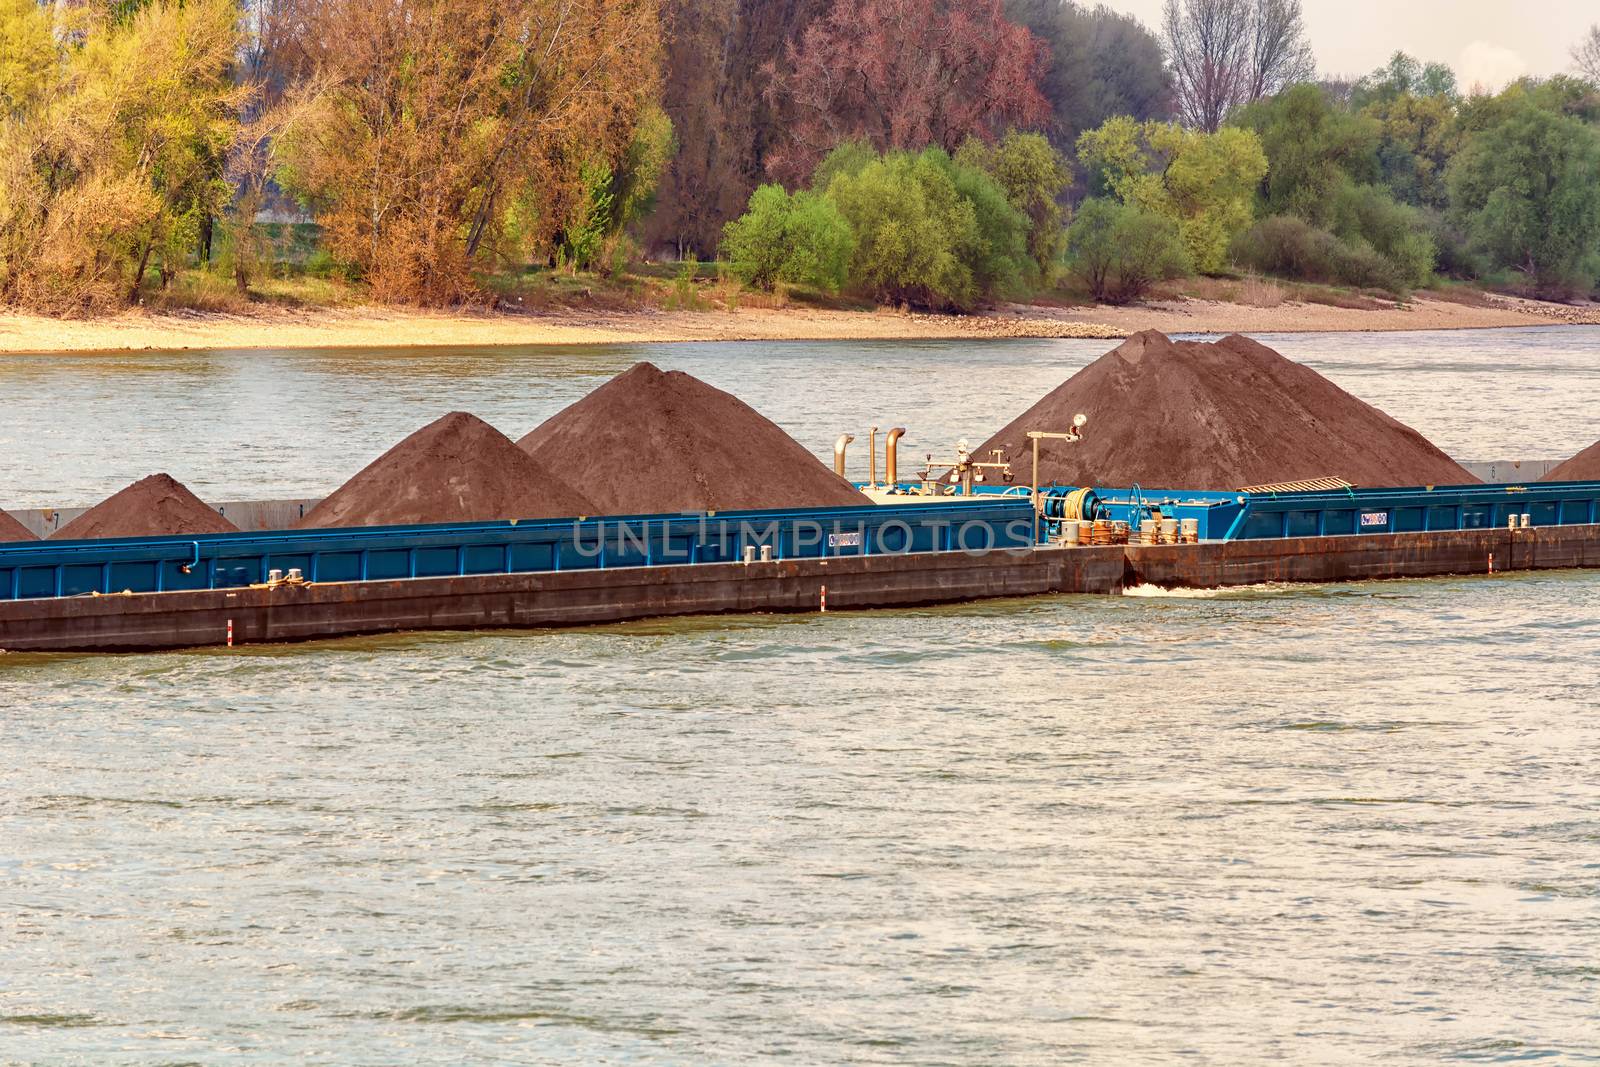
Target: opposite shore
[(345, 327)]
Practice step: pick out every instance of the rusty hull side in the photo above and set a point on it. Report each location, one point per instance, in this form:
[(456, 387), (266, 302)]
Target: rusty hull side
[(1343, 559), (568, 598), (576, 598)]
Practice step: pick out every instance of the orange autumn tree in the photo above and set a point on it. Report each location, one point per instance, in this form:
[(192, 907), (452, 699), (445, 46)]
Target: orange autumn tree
[(906, 74), (449, 133)]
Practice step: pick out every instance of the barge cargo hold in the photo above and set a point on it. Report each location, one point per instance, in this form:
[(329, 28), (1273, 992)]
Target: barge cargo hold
[(127, 595)]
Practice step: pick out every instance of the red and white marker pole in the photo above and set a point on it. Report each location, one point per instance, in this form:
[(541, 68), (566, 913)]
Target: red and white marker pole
[(230, 633), (824, 598)]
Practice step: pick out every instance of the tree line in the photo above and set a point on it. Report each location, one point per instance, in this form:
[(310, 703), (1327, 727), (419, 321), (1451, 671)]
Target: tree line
[(431, 140), (938, 153)]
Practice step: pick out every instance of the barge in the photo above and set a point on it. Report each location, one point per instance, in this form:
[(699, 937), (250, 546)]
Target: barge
[(271, 586)]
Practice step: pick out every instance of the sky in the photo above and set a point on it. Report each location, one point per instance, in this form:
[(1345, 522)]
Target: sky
[(1487, 42)]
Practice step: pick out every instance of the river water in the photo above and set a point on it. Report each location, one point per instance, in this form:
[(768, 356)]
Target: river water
[(1333, 824), (262, 425)]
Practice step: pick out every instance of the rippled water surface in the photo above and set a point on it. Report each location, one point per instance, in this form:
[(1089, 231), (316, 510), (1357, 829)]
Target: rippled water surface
[(1332, 824), (258, 425)]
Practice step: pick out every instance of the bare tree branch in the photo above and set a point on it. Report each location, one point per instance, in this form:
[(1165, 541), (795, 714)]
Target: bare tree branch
[(1225, 53), (1586, 54)]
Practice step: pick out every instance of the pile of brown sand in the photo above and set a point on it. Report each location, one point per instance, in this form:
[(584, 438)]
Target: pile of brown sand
[(650, 442), (12, 530), (455, 469), (1584, 467), (1219, 416), (157, 506)]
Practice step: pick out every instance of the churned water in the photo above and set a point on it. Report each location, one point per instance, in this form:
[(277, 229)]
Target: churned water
[(1332, 824)]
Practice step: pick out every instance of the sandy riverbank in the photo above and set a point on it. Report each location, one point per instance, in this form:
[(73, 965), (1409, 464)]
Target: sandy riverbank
[(271, 327), (1421, 313)]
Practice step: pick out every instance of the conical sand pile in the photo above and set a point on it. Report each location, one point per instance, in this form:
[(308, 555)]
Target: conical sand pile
[(455, 469), (650, 441), (1220, 416), (157, 506), (12, 530), (1584, 467)]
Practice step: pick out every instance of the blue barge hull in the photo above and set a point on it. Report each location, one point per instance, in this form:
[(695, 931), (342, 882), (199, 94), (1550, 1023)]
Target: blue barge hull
[(582, 597), (1246, 516), (31, 570), (127, 595)]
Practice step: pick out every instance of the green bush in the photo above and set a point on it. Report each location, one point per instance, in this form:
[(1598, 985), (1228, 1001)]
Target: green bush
[(799, 238), (1367, 216), (1205, 182), (999, 258), (1118, 251), (591, 220), (321, 264), (1290, 247), (930, 233)]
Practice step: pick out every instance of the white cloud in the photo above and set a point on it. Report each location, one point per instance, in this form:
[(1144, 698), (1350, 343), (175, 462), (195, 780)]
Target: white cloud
[(1488, 67)]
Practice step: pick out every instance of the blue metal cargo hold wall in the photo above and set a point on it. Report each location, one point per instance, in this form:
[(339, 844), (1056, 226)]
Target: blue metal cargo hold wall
[(73, 568), (1331, 513)]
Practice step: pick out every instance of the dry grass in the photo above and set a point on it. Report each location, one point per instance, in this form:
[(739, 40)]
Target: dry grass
[(199, 290), (1261, 292), (671, 287), (1465, 295), (1220, 290), (1328, 296), (732, 295), (545, 291)]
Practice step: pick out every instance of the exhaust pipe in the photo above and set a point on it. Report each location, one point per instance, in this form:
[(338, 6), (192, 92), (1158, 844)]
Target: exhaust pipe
[(890, 447), (838, 452)]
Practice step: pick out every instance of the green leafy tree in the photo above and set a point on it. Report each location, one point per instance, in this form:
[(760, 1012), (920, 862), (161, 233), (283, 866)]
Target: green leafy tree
[(1323, 169), (1404, 75), (1205, 182), (800, 238), (180, 116), (998, 256), (1313, 150), (1118, 251), (930, 233), (1033, 176), (1526, 189), (1418, 135)]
